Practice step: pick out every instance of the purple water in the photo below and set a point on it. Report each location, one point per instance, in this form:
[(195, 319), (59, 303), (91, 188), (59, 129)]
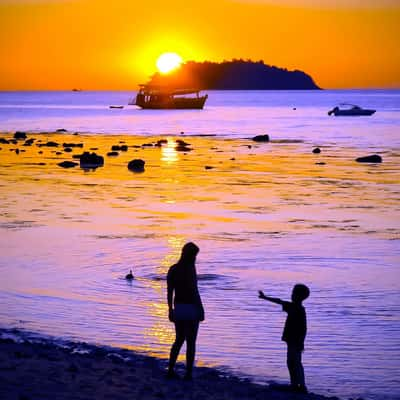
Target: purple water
[(266, 220)]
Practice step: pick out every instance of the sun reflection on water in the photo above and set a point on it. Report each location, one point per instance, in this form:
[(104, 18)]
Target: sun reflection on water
[(161, 330), (169, 153)]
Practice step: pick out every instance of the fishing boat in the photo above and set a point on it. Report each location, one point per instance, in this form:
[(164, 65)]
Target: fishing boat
[(158, 97), (350, 110)]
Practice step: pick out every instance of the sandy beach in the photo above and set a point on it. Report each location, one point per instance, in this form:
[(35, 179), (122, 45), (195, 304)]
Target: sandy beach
[(78, 371)]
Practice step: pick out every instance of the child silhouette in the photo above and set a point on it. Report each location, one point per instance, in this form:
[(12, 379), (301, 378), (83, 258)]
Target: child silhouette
[(294, 333)]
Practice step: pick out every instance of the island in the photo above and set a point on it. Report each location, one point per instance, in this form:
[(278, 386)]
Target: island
[(234, 75)]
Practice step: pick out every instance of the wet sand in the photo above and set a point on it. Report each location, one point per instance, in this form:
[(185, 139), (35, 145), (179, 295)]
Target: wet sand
[(77, 371)]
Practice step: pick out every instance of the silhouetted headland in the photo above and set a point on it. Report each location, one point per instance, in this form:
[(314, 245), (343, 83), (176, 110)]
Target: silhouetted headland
[(235, 75)]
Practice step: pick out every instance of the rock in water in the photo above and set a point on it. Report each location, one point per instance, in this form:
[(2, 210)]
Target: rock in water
[(261, 138), (91, 160), (67, 164), (19, 135), (124, 147), (136, 165), (375, 158), (317, 150)]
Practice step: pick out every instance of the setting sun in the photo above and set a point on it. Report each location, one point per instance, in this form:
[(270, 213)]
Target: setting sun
[(167, 62)]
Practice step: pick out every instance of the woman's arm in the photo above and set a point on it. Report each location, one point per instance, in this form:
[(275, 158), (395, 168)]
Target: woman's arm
[(170, 293), (275, 300)]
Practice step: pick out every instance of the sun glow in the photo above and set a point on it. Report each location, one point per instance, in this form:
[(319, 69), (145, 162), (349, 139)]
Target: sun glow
[(167, 62)]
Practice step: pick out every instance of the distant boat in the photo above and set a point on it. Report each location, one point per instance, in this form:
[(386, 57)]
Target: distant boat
[(76, 90), (350, 110), (158, 97), (116, 106)]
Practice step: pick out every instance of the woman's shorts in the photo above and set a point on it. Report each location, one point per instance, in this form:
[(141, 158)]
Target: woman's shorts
[(186, 312)]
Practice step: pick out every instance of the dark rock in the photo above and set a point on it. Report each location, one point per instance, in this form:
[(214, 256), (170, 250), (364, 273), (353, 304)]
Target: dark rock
[(261, 138), (136, 146), (94, 148), (73, 145), (16, 151), (40, 152), (233, 159), (29, 142), (58, 153), (147, 145), (19, 135), (77, 156), (61, 130), (124, 147), (182, 148), (91, 160), (112, 153), (136, 165), (182, 145), (162, 141), (249, 146), (375, 158), (14, 141), (182, 142), (317, 150), (67, 149), (4, 141), (50, 144), (208, 167), (320, 163), (67, 164)]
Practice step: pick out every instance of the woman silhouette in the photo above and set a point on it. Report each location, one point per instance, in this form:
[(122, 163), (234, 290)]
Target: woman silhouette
[(185, 308)]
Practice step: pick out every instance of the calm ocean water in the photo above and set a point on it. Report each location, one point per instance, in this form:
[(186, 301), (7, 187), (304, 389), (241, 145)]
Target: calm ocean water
[(267, 220)]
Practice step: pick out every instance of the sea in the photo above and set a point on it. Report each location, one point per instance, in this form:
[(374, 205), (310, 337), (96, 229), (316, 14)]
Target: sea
[(265, 216)]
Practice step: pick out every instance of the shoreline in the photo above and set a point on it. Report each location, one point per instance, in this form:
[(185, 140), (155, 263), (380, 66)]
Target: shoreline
[(39, 367)]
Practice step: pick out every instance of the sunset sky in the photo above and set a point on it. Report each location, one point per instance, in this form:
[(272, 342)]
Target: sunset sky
[(99, 44)]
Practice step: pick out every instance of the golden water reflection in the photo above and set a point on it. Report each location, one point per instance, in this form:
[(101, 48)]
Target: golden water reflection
[(169, 153), (161, 331)]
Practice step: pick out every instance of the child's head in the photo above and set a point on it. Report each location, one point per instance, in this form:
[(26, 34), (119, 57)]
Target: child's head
[(300, 292)]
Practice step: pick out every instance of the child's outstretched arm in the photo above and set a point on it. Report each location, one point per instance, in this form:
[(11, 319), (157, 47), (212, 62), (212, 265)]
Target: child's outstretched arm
[(261, 295)]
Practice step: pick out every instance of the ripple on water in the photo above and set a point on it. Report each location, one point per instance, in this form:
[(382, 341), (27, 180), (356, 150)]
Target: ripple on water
[(19, 224)]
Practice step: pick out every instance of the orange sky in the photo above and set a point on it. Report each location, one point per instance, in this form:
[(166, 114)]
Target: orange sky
[(103, 44)]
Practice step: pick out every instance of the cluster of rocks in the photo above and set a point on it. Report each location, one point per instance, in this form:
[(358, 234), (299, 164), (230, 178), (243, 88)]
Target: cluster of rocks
[(91, 160), (181, 145)]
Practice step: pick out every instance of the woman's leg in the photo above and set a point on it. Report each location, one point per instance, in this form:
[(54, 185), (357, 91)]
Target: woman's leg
[(176, 347), (191, 329)]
